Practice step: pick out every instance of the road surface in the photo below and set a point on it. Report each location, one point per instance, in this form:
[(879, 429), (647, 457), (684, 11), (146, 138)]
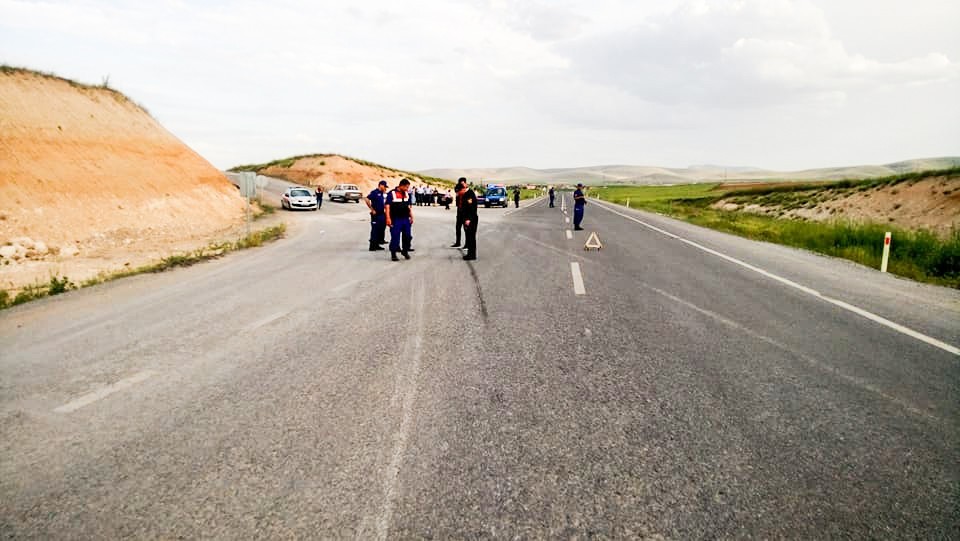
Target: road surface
[(677, 384)]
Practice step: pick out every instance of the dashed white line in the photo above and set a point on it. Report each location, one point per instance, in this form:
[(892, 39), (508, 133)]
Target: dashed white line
[(578, 288), (261, 322), (846, 306), (404, 397), (567, 220), (569, 234), (90, 398)]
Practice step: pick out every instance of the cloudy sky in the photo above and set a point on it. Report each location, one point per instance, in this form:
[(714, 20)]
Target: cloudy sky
[(779, 84)]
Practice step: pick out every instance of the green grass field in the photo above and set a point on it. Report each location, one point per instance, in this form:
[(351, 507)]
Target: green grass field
[(640, 195)]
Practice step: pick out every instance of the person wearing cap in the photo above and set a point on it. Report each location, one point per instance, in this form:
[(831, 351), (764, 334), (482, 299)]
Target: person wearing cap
[(578, 202), (378, 217), (399, 219)]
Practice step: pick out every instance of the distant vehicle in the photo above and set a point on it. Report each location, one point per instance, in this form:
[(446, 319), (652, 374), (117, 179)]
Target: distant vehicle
[(495, 196), (298, 197), (345, 192)]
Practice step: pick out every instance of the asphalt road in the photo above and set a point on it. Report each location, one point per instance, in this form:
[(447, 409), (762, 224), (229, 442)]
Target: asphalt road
[(697, 386)]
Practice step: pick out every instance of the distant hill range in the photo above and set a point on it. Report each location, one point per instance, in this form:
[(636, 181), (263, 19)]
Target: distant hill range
[(640, 174)]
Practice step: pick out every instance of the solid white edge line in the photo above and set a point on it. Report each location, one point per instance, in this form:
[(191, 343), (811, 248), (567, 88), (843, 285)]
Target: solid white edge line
[(846, 306), (578, 288), (90, 398)]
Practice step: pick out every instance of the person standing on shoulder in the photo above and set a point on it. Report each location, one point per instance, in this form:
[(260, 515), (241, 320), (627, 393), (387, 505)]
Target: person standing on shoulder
[(378, 217), (516, 197), (468, 213), (399, 213), (552, 195), (319, 194), (579, 200)]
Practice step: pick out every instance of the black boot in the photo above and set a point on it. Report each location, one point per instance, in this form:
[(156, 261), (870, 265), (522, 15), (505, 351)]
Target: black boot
[(393, 256), (405, 255)]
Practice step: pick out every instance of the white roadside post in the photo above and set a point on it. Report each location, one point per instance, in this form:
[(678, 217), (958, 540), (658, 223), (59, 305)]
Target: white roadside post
[(886, 252), (248, 189), (628, 202)]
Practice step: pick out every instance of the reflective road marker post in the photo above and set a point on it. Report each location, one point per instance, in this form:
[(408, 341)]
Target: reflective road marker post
[(886, 252)]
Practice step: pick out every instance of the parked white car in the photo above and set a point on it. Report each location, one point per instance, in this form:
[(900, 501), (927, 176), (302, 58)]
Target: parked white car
[(298, 197), (345, 192)]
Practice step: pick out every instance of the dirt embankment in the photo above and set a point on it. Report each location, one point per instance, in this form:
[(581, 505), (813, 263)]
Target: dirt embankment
[(328, 170), (931, 203), (91, 183)]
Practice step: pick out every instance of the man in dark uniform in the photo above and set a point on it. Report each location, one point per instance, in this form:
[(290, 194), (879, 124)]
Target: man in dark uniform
[(551, 196), (467, 212), (399, 213), (579, 200), (458, 191), (516, 197), (378, 218)]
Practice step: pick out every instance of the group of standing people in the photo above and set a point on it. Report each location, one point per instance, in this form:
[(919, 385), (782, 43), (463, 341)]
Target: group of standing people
[(426, 196), (393, 208)]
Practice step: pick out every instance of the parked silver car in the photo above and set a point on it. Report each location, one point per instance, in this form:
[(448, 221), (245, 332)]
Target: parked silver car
[(298, 197), (345, 192)]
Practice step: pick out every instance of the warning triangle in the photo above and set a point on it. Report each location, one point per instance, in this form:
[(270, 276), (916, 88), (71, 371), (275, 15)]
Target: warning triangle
[(593, 241)]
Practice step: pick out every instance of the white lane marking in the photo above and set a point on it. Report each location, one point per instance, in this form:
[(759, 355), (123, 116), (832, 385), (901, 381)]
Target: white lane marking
[(810, 360), (263, 321), (569, 234), (578, 288), (90, 398), (567, 220), (404, 396), (846, 306)]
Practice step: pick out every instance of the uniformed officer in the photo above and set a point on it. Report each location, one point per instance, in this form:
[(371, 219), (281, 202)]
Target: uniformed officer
[(467, 213), (579, 200), (378, 218), (399, 213), (516, 197), (458, 191), (551, 196)]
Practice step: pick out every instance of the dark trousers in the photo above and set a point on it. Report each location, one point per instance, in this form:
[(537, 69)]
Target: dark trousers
[(471, 233), (400, 235), (516, 203), (577, 216), (378, 229), (551, 201), (459, 226)]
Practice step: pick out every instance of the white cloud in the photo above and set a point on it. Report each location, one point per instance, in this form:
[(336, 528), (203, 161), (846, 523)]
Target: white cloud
[(544, 83), (742, 53)]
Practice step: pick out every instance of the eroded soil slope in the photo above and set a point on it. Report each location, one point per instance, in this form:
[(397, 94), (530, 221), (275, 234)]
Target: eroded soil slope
[(90, 183), (328, 170), (931, 203)]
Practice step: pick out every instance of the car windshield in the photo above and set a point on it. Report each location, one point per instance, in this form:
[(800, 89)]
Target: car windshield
[(300, 193), (496, 191)]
